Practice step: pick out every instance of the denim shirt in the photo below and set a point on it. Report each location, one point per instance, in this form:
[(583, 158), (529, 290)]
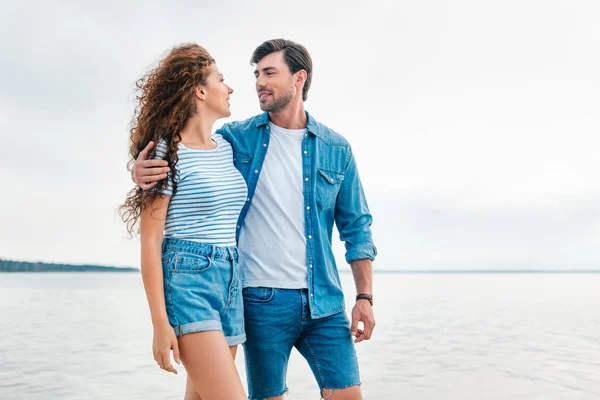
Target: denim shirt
[(332, 192)]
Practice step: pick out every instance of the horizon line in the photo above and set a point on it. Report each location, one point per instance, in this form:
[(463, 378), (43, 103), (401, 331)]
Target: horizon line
[(480, 271)]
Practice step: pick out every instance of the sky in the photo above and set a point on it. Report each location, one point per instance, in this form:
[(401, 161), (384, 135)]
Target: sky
[(475, 125)]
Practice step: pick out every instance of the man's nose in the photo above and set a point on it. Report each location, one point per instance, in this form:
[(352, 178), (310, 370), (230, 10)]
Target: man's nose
[(259, 83)]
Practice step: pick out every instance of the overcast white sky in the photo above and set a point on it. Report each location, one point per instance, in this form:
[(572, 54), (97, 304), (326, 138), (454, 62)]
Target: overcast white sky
[(475, 124)]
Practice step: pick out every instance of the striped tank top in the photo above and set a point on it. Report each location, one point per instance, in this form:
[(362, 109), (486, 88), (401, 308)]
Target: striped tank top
[(210, 194)]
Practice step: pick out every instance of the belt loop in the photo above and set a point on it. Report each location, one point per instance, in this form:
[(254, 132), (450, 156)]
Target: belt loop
[(213, 251), (230, 253)]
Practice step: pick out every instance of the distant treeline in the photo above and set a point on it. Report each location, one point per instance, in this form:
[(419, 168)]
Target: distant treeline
[(22, 266)]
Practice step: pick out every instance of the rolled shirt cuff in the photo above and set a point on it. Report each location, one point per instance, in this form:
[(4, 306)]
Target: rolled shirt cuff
[(361, 251)]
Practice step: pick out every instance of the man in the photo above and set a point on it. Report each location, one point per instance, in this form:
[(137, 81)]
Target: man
[(301, 177)]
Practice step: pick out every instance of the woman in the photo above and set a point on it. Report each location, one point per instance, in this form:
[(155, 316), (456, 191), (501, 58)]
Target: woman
[(191, 273)]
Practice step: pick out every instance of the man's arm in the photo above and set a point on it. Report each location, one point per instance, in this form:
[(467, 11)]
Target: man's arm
[(353, 220), (146, 173), (362, 270)]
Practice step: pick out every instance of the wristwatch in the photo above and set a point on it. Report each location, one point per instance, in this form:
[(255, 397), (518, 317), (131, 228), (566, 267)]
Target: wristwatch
[(365, 296)]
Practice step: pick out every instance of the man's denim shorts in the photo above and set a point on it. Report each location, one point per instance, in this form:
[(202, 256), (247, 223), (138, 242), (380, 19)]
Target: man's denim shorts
[(203, 289), (278, 320)]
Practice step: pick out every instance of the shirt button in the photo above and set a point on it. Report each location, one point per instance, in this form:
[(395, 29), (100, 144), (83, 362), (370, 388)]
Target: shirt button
[(238, 227), (264, 145), (311, 295), (256, 172), (309, 236), (308, 207), (305, 152), (248, 199), (306, 179), (311, 265)]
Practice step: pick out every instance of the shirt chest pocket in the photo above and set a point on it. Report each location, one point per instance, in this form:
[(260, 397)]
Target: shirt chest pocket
[(242, 162), (327, 188)]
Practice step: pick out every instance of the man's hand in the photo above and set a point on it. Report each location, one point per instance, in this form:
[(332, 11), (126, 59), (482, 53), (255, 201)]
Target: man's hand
[(146, 173), (362, 312)]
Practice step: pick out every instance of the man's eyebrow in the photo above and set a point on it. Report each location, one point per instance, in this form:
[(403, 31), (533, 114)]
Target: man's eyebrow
[(265, 69)]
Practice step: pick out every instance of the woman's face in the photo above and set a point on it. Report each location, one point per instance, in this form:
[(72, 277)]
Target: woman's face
[(216, 93)]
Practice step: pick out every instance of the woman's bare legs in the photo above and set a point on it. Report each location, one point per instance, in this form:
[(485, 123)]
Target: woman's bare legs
[(210, 366)]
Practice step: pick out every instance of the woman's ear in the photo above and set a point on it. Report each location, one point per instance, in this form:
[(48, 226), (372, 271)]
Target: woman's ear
[(200, 92)]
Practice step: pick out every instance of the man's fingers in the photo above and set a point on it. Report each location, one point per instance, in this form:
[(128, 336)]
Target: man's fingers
[(152, 163), (153, 177), (369, 325), (144, 153), (148, 182), (149, 186), (354, 326), (153, 173), (147, 171), (360, 336)]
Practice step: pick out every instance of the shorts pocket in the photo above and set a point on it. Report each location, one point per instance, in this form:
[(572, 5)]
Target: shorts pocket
[(258, 294), (191, 264)]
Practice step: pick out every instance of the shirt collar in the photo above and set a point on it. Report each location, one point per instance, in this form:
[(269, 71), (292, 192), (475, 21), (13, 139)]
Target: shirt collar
[(311, 124)]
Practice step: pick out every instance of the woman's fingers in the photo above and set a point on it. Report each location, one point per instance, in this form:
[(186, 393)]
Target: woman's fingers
[(166, 362)]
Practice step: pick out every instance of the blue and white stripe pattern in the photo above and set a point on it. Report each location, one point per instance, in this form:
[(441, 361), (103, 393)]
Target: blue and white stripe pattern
[(210, 195)]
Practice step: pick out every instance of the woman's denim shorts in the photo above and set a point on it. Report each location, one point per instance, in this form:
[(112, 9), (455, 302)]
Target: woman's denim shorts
[(203, 289)]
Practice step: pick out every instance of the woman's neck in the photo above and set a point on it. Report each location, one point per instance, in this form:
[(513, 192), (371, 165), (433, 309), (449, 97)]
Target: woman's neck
[(197, 133)]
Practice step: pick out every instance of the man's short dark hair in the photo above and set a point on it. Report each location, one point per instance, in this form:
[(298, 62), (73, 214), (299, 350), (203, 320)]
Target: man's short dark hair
[(296, 57)]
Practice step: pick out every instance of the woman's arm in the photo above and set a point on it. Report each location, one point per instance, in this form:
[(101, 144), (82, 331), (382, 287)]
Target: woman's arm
[(152, 226)]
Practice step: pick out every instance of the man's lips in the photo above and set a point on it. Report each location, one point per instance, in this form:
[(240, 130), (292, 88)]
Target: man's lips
[(263, 95)]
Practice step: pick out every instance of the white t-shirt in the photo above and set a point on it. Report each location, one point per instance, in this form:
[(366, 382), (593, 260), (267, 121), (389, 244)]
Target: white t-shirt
[(272, 243)]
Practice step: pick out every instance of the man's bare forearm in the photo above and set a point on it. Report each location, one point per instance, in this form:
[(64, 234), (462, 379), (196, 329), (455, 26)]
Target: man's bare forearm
[(363, 275)]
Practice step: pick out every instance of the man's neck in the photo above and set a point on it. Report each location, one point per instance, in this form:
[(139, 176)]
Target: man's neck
[(293, 117)]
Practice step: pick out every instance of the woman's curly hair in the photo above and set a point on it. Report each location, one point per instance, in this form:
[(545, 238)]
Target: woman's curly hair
[(165, 102)]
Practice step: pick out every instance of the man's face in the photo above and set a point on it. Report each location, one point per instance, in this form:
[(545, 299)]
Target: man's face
[(274, 83)]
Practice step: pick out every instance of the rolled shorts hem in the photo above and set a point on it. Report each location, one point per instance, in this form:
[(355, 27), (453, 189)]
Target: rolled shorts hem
[(205, 326), (199, 326), (235, 340)]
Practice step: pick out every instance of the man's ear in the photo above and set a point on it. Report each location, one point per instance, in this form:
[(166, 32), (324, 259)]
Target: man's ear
[(301, 78)]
